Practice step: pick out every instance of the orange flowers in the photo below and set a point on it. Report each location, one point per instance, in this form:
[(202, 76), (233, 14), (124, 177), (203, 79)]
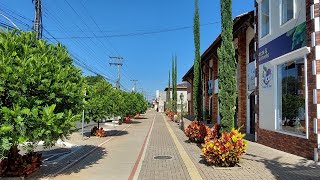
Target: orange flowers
[(196, 132), (226, 150)]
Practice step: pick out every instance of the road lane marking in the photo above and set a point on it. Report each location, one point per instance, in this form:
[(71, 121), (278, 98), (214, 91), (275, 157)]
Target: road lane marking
[(137, 166), (192, 170)]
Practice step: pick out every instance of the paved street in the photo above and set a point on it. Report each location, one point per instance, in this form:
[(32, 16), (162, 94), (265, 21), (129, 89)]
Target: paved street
[(133, 155), (115, 159)]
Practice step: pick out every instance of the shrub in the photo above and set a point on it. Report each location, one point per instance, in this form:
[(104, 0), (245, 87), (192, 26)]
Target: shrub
[(225, 151), (17, 165), (212, 133), (196, 132), (101, 133), (94, 130)]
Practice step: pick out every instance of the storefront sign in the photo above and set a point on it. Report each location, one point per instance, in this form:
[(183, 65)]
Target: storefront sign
[(251, 76), (266, 77), (210, 85), (290, 41)]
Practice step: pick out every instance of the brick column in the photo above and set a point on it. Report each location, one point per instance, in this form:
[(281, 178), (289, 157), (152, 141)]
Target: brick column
[(242, 84)]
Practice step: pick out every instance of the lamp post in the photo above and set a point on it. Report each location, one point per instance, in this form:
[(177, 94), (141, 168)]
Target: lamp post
[(181, 120)]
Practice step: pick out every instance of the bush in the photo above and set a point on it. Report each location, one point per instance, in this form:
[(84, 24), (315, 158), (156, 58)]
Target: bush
[(17, 165), (212, 133), (196, 132), (225, 151), (41, 91), (95, 131)]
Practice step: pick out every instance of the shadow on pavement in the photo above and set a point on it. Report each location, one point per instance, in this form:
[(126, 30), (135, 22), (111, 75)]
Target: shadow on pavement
[(78, 157), (141, 118), (134, 122), (304, 169), (116, 133)]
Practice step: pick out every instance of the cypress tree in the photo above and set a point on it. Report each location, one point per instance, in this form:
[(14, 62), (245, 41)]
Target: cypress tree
[(175, 85), (168, 98), (197, 81), (227, 68)]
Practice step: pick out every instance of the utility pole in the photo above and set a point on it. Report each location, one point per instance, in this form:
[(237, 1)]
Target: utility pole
[(118, 63), (135, 84), (38, 18)]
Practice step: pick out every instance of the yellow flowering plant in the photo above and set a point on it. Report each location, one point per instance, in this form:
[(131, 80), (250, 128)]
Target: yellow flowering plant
[(226, 150)]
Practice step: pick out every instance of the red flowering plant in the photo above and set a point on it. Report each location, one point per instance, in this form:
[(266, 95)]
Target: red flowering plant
[(101, 133), (225, 151), (213, 133), (196, 132), (171, 116)]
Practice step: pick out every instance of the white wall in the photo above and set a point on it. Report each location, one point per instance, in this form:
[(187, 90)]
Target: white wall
[(268, 95), (276, 29)]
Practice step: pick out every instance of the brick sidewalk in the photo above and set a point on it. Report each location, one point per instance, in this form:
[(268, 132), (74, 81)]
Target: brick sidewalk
[(260, 162), (161, 143)]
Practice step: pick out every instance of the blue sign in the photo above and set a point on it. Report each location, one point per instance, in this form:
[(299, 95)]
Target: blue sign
[(290, 41)]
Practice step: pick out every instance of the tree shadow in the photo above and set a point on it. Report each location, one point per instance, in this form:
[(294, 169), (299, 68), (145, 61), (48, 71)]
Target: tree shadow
[(134, 122), (303, 169), (141, 118), (72, 162), (116, 133)]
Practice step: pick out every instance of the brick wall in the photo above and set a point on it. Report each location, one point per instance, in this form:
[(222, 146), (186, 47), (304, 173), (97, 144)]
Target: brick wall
[(242, 83)]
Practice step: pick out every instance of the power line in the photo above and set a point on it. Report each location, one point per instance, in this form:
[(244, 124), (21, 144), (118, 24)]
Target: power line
[(135, 34)]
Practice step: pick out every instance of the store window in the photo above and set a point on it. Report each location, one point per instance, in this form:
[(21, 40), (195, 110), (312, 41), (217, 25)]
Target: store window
[(291, 97), (265, 18), (287, 10), (251, 51)]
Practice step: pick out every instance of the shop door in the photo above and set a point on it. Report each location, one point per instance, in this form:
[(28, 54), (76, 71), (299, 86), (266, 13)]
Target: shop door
[(252, 113)]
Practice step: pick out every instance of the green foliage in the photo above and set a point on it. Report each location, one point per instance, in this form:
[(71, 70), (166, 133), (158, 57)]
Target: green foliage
[(227, 68), (103, 101), (98, 94), (173, 103), (168, 95), (174, 85), (197, 81), (40, 90)]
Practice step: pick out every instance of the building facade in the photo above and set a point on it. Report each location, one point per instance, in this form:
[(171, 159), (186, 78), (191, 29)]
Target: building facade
[(278, 75), (161, 97), (243, 36), (287, 34)]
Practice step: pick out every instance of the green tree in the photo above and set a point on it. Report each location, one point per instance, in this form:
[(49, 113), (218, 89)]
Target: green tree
[(173, 87), (168, 98), (100, 98), (227, 68), (41, 91), (197, 81)]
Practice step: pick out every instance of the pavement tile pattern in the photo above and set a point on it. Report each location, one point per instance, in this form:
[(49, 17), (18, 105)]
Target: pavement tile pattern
[(260, 162), (161, 143)]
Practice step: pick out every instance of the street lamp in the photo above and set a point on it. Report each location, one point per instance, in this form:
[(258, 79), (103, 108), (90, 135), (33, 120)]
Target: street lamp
[(181, 120)]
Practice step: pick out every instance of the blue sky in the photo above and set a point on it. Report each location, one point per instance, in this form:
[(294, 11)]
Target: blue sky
[(147, 57)]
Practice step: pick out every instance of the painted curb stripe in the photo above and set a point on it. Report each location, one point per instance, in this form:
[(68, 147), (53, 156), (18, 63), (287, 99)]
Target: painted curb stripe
[(192, 170)]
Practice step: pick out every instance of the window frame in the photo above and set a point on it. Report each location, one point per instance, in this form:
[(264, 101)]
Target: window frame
[(280, 13), (277, 99), (260, 19)]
